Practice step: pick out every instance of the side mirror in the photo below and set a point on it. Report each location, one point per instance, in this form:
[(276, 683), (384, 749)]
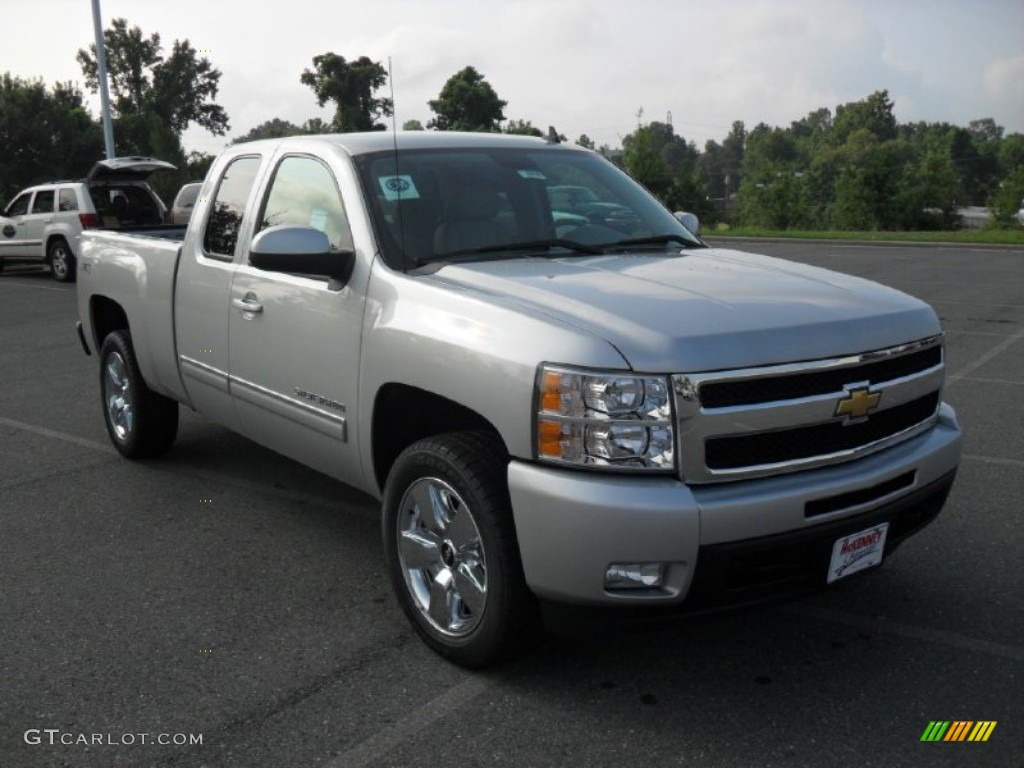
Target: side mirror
[(689, 220), (300, 250)]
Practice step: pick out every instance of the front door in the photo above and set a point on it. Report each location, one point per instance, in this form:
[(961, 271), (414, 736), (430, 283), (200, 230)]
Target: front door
[(13, 228), (294, 339)]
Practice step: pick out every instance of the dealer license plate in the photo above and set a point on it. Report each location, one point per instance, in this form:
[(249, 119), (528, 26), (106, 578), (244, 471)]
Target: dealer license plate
[(857, 551)]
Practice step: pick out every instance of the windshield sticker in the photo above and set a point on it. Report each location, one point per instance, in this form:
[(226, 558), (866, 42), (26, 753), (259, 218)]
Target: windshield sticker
[(398, 188), (318, 219), (532, 173)]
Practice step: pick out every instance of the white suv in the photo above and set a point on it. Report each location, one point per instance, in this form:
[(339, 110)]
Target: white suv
[(43, 223)]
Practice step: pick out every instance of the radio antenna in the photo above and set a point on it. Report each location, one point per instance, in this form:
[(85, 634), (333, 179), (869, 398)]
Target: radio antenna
[(394, 144)]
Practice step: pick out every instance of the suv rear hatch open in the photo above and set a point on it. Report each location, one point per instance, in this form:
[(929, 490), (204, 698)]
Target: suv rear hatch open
[(127, 169)]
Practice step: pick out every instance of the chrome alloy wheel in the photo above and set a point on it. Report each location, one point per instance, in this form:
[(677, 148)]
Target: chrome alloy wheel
[(117, 395), (59, 262), (442, 557)]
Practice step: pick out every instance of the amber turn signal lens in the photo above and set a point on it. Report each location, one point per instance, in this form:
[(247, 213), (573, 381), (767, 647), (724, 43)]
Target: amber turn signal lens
[(550, 392), (549, 438)]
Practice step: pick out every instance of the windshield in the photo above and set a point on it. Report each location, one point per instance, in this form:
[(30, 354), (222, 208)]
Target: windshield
[(481, 204)]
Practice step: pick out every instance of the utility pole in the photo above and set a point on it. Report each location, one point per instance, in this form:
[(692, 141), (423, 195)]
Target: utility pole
[(101, 62)]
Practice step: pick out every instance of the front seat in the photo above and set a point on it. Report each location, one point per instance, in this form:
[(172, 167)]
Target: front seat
[(470, 220)]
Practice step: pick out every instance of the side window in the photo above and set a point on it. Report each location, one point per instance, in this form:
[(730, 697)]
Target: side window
[(20, 205), (44, 202), (67, 200), (304, 193), (228, 207)]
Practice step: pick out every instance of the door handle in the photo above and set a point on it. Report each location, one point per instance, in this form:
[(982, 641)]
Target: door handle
[(248, 304)]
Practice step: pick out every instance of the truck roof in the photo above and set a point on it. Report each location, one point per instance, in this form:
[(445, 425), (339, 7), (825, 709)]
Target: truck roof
[(378, 141)]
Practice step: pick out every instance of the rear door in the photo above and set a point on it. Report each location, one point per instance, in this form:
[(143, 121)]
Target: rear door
[(202, 288), (40, 215), (14, 229), (294, 339)]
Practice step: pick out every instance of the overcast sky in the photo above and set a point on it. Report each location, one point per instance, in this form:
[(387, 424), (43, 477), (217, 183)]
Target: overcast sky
[(584, 66)]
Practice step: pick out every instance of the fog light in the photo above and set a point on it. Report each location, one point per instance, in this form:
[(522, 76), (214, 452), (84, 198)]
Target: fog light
[(634, 576)]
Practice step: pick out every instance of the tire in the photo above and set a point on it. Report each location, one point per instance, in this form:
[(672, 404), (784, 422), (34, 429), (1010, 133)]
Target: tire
[(451, 549), (61, 261), (141, 423)]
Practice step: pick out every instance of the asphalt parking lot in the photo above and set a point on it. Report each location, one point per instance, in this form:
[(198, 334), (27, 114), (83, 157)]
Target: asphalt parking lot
[(229, 593)]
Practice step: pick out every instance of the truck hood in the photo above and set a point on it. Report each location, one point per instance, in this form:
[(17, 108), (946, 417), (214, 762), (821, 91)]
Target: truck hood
[(704, 310)]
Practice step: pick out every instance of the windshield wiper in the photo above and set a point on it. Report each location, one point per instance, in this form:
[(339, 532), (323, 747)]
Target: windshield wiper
[(653, 240), (528, 245)]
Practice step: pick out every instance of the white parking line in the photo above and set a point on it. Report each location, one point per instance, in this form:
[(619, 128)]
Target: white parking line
[(982, 380), (82, 442), (370, 751), (994, 460), (975, 304), (11, 284), (214, 477), (997, 350), (977, 333)]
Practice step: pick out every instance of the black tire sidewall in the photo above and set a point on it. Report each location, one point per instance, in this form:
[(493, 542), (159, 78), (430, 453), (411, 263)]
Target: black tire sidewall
[(155, 418), (68, 276), (492, 515)]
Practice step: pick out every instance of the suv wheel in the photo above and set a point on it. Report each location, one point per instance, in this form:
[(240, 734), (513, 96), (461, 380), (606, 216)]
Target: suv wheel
[(61, 261)]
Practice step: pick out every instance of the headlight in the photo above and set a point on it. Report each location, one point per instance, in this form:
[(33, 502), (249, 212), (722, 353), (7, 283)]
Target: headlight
[(608, 420)]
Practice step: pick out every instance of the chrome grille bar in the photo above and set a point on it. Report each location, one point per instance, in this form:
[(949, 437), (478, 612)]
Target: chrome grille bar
[(898, 388)]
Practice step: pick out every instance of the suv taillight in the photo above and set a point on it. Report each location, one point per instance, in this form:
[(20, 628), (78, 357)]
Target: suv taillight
[(89, 220)]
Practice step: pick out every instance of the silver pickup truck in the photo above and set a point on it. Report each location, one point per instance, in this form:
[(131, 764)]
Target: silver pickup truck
[(561, 409)]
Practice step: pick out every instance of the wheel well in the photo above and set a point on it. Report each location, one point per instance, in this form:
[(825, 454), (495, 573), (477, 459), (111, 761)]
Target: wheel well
[(52, 238), (107, 317), (403, 414)]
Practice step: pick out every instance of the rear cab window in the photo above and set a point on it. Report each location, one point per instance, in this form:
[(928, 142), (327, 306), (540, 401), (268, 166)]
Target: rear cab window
[(227, 207)]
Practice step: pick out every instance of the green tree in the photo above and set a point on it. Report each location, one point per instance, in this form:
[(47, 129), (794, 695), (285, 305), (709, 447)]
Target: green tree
[(985, 129), (467, 102), (315, 126), (198, 164), (412, 125), (641, 157), (179, 90), (351, 86), (271, 129), (774, 191), (585, 141), (869, 181), (926, 193), (1008, 200), (46, 133), (873, 114), (521, 128)]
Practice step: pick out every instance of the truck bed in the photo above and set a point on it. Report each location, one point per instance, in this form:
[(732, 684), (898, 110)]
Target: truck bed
[(135, 269)]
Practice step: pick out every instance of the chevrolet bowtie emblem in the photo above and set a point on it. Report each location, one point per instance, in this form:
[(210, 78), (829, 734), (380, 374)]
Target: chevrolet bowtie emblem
[(857, 404)]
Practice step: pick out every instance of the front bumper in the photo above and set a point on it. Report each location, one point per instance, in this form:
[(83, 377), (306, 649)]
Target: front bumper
[(721, 544)]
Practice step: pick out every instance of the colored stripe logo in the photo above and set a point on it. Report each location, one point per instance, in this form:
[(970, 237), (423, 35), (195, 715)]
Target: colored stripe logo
[(958, 730)]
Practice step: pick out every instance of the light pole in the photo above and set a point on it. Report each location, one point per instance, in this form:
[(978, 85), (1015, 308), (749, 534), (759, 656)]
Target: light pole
[(101, 64)]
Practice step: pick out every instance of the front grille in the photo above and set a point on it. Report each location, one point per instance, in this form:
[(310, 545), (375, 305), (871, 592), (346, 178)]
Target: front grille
[(722, 394), (785, 445), (755, 422)]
